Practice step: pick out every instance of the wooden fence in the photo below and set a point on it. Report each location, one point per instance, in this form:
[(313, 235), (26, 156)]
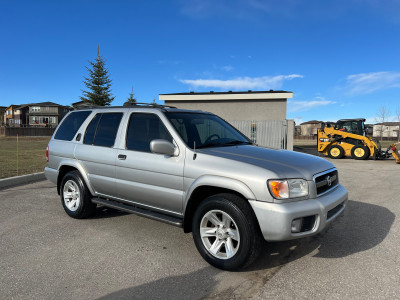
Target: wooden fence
[(26, 131)]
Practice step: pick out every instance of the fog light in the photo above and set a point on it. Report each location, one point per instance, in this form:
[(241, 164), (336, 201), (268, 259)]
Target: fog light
[(296, 225)]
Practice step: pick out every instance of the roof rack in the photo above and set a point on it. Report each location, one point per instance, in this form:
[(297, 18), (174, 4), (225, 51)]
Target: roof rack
[(153, 105), (127, 105)]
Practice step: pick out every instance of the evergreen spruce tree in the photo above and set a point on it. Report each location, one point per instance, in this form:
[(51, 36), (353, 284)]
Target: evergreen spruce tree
[(131, 99), (98, 84)]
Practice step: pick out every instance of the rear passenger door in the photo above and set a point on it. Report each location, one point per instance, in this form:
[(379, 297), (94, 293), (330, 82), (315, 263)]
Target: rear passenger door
[(97, 153), (144, 177)]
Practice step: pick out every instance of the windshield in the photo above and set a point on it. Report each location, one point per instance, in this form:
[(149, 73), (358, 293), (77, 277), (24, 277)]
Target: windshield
[(205, 130)]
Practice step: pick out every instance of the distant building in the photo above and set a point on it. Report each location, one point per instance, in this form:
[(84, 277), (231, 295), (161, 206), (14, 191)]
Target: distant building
[(9, 115), (386, 129), (35, 114), (81, 104), (310, 128), (234, 106), (2, 116)]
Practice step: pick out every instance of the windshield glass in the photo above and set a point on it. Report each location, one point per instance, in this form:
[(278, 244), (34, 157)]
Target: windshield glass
[(205, 130)]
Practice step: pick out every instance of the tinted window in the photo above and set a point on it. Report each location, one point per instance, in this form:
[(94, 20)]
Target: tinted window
[(107, 129), (142, 129), (204, 129), (91, 130), (71, 124)]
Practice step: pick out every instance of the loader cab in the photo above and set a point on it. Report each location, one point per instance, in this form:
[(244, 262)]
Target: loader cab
[(355, 126)]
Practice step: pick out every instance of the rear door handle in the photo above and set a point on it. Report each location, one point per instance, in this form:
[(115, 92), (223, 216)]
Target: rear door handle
[(121, 157)]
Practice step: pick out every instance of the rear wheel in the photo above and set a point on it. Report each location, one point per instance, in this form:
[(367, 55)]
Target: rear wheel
[(226, 232), (76, 197), (360, 152), (336, 152)]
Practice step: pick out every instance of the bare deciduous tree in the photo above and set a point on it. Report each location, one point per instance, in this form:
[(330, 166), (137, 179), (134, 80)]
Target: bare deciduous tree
[(381, 117)]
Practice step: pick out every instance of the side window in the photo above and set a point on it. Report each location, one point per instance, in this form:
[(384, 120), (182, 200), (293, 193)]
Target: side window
[(71, 124), (142, 129), (106, 131), (180, 126), (91, 130)]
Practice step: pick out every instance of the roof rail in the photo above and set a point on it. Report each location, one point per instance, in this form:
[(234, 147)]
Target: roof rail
[(143, 104), (127, 105)]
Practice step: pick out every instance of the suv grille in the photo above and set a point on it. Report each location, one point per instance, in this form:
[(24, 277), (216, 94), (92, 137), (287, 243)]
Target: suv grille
[(326, 182)]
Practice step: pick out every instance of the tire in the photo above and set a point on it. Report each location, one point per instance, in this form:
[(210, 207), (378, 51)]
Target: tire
[(360, 152), (336, 152), (75, 196), (227, 222)]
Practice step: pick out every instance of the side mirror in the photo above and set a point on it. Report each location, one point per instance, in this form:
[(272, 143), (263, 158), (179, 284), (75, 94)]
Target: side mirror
[(369, 130), (163, 147)]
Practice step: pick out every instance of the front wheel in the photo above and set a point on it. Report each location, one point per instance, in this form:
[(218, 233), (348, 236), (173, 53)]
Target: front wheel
[(336, 151), (226, 232)]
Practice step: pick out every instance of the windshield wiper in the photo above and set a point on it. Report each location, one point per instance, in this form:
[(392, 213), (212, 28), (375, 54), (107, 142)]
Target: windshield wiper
[(232, 143), (209, 145)]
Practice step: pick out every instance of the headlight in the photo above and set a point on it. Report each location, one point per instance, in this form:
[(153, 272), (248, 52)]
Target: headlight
[(291, 188)]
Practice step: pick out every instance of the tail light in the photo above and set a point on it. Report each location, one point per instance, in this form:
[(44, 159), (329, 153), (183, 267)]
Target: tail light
[(47, 154)]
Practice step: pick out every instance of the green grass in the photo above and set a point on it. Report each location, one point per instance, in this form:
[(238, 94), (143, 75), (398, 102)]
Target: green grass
[(31, 155)]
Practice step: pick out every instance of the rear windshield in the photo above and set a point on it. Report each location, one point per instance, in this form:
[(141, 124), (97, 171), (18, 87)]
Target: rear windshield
[(70, 126)]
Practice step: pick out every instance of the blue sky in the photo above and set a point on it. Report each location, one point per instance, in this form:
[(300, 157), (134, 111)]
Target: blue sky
[(340, 58)]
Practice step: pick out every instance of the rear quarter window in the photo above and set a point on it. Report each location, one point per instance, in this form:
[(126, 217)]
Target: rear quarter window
[(70, 126)]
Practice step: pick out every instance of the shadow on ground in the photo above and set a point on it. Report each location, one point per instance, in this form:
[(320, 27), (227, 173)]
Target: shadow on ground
[(193, 285), (361, 227)]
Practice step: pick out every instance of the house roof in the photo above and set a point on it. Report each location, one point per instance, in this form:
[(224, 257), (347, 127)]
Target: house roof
[(311, 122), (228, 93), (249, 95), (40, 104), (389, 123)]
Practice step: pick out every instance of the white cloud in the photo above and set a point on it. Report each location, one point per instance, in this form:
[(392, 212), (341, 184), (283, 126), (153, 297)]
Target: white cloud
[(264, 82), (366, 83), (296, 106), (227, 68)]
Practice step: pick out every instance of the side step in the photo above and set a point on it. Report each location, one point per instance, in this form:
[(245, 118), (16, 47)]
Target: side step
[(140, 211)]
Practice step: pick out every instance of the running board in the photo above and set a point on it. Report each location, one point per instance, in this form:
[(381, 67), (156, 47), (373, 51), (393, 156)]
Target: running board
[(140, 211)]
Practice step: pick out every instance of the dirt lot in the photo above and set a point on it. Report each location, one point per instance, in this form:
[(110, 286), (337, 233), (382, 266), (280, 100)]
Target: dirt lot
[(44, 254), (31, 155)]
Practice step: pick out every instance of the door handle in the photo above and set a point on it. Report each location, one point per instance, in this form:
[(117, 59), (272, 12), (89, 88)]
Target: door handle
[(121, 157)]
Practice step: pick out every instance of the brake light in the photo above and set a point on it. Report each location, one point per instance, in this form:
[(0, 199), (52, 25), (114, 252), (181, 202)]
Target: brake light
[(47, 154)]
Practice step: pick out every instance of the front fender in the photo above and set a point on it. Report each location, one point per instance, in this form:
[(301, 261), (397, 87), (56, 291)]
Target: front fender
[(221, 182)]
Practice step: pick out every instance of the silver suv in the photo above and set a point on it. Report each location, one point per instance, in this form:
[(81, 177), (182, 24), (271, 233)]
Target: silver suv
[(193, 170)]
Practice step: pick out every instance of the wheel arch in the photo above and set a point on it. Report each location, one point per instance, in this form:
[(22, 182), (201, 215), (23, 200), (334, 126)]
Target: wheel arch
[(68, 166), (206, 186)]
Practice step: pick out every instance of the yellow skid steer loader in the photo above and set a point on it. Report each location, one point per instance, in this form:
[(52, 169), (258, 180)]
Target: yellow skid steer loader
[(349, 137)]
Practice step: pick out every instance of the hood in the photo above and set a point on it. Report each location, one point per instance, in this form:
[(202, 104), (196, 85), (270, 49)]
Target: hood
[(285, 164)]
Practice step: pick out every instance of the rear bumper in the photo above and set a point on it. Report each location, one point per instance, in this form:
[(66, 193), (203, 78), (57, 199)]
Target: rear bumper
[(276, 219), (51, 174)]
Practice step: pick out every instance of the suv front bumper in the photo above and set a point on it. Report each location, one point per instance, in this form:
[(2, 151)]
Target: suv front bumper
[(276, 219)]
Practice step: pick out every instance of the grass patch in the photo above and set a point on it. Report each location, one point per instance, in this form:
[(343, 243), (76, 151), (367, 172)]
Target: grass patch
[(31, 155)]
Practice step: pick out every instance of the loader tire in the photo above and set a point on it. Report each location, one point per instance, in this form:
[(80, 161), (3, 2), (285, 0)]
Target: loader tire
[(336, 152), (360, 152)]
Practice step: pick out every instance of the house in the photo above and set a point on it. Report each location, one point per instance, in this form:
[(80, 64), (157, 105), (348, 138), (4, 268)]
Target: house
[(386, 129), (310, 128), (81, 104), (35, 114), (2, 116), (9, 115)]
